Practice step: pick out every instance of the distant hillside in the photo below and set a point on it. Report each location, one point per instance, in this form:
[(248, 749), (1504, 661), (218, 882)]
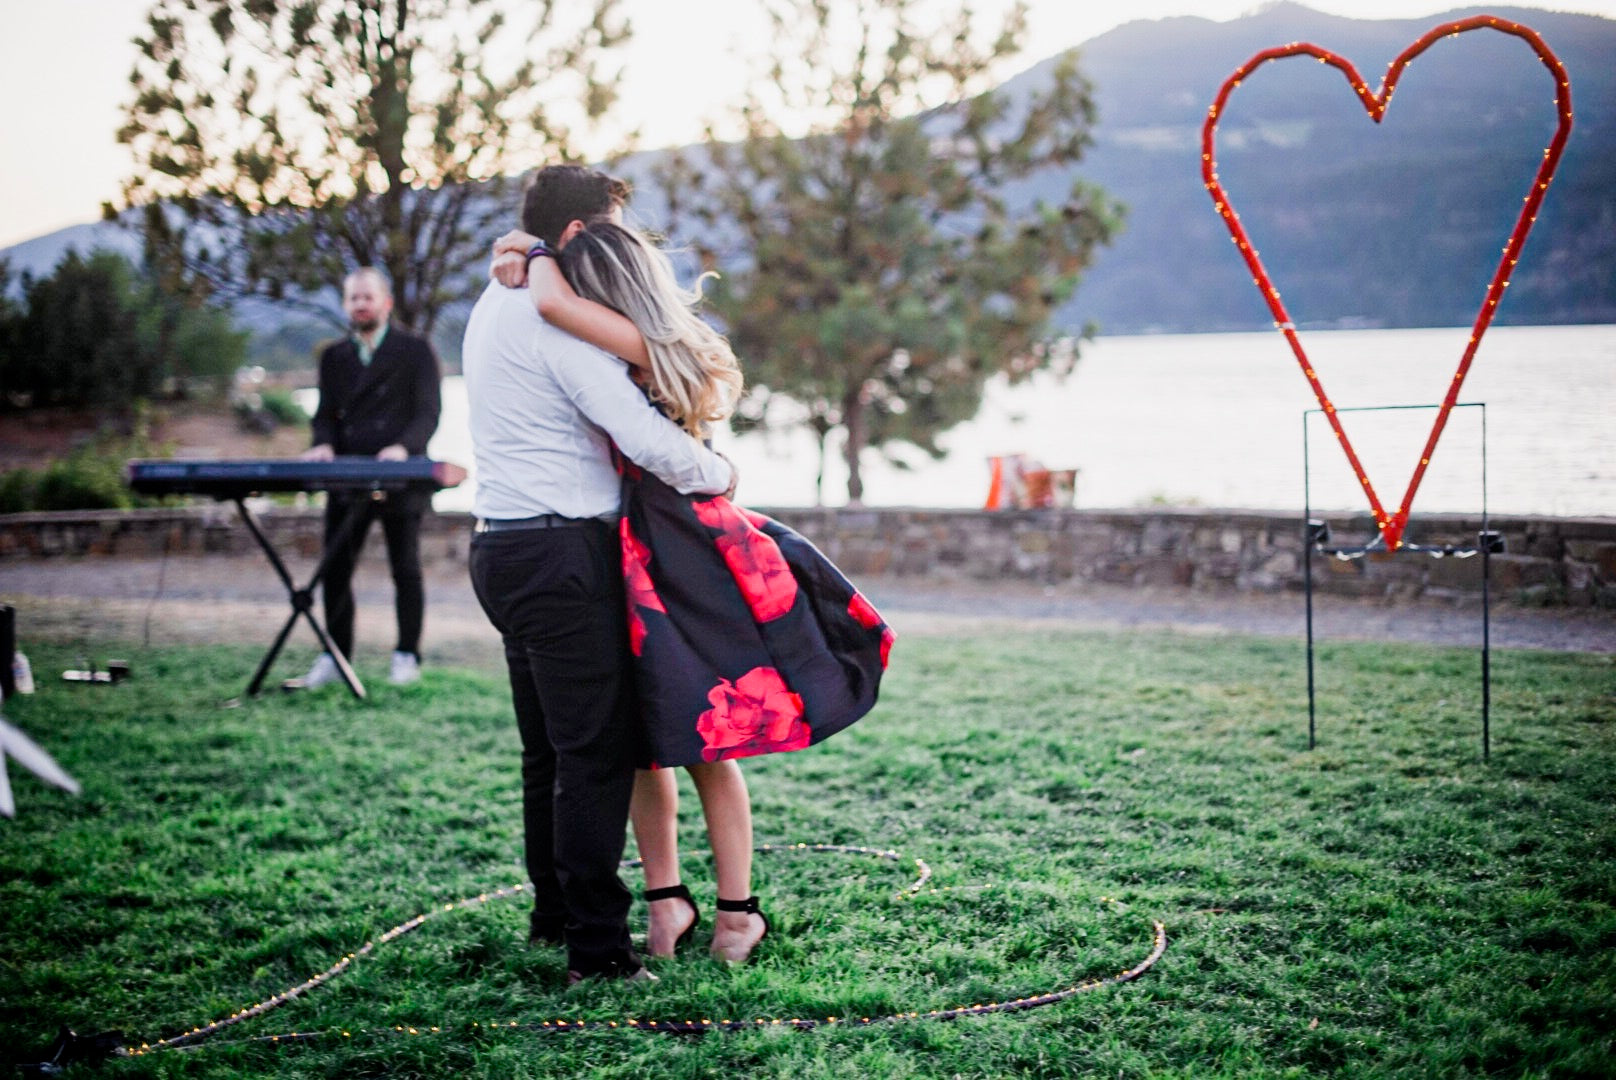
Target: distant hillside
[(1399, 224), (41, 254), (1361, 225)]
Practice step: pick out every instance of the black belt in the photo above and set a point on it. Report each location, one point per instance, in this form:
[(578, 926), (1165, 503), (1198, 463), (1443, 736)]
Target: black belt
[(542, 521)]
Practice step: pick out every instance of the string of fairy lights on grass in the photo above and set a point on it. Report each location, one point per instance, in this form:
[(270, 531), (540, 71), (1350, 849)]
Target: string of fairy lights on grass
[(192, 1039), (1391, 524), (314, 982), (701, 1027)]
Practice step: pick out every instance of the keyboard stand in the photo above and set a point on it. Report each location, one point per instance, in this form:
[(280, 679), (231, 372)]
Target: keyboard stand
[(302, 600)]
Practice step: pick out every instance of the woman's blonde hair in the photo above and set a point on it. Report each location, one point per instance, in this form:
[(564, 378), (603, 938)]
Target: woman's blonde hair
[(694, 374)]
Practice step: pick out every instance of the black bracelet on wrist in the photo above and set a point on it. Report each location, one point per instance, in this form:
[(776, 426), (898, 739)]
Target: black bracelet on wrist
[(540, 250)]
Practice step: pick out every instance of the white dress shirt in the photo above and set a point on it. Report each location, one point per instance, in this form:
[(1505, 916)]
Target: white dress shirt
[(544, 410)]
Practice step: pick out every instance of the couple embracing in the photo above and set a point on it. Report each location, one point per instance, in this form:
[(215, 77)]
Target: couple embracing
[(648, 622)]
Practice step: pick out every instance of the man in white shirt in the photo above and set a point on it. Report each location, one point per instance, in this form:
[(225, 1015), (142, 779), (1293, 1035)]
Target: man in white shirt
[(545, 409)]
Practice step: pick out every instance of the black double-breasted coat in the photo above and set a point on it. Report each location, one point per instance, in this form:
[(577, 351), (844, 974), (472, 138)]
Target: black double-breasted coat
[(393, 399)]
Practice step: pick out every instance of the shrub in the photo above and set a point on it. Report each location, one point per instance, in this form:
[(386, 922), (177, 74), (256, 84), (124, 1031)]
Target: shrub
[(280, 404), (17, 489), (85, 480), (91, 477)]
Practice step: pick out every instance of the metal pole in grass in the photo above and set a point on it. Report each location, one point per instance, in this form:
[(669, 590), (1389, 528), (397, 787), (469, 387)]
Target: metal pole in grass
[(1487, 542), (1307, 569), (1316, 537), (8, 651)]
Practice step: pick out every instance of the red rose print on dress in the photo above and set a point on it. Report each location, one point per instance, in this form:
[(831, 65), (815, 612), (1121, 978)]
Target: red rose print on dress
[(637, 587), (865, 615), (754, 560), (756, 714)]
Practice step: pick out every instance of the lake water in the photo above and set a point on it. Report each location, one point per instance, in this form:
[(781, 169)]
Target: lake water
[(1217, 420)]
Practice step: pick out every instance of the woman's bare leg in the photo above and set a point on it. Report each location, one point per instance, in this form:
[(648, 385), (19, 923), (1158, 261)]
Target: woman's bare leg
[(727, 806), (654, 811)]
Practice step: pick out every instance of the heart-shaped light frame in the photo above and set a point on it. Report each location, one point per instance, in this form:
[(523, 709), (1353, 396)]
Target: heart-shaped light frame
[(1391, 525)]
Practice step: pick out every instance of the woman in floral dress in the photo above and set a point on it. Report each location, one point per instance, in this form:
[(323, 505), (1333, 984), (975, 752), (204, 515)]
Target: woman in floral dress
[(745, 639)]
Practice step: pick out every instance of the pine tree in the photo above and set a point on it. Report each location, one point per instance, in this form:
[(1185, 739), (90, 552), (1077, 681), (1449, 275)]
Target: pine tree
[(98, 333), (878, 270)]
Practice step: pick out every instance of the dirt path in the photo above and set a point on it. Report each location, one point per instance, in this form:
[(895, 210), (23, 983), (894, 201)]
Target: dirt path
[(89, 601)]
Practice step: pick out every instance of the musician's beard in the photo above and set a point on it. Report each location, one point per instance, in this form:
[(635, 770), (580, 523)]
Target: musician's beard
[(365, 328)]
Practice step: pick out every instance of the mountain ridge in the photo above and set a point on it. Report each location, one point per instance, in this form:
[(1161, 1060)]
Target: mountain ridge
[(1420, 191), (1393, 225)]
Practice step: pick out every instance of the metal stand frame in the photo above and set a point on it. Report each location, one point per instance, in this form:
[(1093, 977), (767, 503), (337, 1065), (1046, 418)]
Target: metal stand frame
[(302, 599), (1316, 539)]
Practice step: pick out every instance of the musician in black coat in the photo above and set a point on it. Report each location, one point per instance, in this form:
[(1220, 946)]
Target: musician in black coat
[(379, 397)]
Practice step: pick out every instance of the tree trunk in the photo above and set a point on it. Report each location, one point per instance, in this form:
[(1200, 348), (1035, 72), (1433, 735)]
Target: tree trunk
[(391, 106), (821, 429), (853, 420)]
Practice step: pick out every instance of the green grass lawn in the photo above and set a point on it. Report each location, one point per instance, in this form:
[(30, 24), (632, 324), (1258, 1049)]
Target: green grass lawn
[(1384, 905)]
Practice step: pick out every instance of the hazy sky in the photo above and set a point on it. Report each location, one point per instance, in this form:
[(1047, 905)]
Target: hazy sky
[(64, 67)]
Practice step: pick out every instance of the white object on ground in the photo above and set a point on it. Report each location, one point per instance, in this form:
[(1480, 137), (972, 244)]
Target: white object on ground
[(31, 757)]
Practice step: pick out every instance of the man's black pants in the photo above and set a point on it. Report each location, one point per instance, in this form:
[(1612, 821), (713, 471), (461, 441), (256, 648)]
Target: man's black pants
[(400, 513), (556, 597)]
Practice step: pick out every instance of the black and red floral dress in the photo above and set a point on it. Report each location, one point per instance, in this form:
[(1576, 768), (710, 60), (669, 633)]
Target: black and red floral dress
[(746, 639)]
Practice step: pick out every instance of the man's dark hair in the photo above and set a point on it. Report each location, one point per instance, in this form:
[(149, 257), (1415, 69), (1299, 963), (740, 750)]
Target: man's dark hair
[(562, 194)]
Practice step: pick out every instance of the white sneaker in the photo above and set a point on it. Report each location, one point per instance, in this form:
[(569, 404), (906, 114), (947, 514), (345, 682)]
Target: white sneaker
[(324, 671), (406, 669)]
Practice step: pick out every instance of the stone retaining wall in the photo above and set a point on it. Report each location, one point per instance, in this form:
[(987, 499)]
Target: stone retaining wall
[(1547, 561)]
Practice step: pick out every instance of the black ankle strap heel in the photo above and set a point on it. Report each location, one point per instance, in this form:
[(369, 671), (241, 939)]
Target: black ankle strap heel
[(748, 906), (678, 892)]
